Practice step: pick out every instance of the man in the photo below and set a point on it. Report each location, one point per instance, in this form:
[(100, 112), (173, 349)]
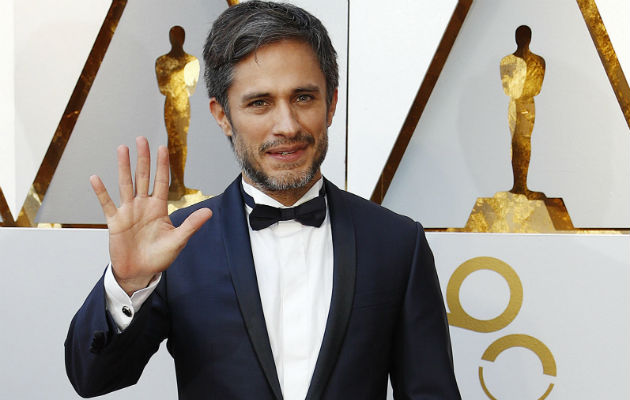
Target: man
[(320, 300)]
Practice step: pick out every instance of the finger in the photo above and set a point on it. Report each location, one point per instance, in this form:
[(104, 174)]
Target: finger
[(125, 184), (160, 186), (192, 224), (143, 167), (108, 206)]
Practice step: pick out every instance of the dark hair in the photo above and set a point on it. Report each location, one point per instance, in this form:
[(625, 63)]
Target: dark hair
[(245, 27)]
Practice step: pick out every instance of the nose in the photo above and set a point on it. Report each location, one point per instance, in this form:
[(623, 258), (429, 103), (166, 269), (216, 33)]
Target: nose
[(285, 120)]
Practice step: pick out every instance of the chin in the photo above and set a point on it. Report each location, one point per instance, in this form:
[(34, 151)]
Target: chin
[(281, 180), (289, 180)]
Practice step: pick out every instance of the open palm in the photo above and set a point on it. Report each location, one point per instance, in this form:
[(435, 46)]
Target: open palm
[(142, 240)]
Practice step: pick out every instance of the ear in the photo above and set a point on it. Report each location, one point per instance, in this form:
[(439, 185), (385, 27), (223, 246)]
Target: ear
[(332, 108), (220, 116)]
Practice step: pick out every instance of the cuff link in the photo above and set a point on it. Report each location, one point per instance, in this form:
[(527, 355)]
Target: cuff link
[(127, 311)]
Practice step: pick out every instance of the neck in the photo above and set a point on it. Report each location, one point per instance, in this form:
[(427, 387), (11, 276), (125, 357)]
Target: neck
[(285, 197), (176, 51), (521, 51)]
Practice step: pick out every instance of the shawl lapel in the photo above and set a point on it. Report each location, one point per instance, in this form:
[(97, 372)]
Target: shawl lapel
[(241, 265), (343, 290)]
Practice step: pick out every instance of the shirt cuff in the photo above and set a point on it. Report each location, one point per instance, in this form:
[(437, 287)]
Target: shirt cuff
[(121, 307)]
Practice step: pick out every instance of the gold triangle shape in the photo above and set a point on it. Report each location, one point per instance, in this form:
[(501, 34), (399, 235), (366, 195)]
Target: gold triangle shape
[(607, 54), (37, 191), (421, 99), (605, 50)]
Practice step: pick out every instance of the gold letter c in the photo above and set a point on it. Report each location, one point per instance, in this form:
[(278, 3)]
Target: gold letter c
[(528, 342)]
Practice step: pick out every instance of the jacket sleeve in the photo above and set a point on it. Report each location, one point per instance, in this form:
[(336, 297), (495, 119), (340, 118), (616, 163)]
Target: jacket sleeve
[(423, 361), (99, 358)]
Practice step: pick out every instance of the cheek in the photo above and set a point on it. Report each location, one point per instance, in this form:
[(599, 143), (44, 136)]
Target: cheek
[(252, 131), (245, 148), (314, 122)]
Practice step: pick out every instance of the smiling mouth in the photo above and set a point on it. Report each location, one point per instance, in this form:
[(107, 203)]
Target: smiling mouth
[(286, 146), (287, 150), (285, 155)]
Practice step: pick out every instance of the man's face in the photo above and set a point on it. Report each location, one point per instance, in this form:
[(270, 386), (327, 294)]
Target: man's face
[(278, 116)]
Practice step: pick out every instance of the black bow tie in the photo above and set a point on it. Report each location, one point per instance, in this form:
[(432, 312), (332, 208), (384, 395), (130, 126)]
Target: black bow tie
[(311, 213)]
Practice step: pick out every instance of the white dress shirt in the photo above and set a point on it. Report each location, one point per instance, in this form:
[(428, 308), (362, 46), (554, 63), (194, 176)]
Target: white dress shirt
[(294, 268)]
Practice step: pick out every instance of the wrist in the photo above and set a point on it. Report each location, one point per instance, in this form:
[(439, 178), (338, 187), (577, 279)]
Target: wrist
[(132, 285)]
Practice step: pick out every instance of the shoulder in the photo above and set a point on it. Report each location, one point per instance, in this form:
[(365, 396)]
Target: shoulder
[(384, 241)]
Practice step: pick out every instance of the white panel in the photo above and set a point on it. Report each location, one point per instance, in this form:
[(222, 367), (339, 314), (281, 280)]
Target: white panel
[(46, 276), (575, 300), (391, 47), (125, 102), (461, 147), (7, 103), (52, 41)]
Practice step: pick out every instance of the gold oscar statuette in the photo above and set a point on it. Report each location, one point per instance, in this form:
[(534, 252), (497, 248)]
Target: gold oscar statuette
[(177, 75), (520, 209)]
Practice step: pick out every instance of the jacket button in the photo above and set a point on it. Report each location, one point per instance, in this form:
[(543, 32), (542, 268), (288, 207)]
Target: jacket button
[(127, 311)]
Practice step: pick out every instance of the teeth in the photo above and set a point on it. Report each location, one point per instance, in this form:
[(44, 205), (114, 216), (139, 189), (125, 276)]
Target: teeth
[(284, 153)]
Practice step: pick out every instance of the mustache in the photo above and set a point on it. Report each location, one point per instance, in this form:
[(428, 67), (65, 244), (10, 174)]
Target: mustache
[(300, 138)]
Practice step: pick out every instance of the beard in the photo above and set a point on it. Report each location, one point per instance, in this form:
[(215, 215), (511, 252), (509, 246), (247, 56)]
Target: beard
[(287, 179)]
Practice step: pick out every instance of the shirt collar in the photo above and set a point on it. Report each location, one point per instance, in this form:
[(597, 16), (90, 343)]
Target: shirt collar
[(261, 198)]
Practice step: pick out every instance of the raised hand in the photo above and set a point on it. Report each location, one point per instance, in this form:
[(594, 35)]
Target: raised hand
[(142, 240)]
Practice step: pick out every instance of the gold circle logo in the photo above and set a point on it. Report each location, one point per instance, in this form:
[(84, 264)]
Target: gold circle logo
[(460, 318)]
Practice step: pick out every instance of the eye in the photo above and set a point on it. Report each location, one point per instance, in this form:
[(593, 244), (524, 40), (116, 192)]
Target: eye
[(257, 103), (302, 98)]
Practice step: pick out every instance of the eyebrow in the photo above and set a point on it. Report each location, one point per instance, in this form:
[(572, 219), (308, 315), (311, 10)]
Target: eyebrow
[(257, 95), (307, 88)]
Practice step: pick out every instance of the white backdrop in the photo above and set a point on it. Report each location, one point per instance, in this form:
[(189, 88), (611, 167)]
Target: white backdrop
[(461, 148), (43, 51), (124, 101), (390, 48)]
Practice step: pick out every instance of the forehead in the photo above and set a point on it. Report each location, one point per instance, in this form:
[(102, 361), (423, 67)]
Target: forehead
[(278, 66)]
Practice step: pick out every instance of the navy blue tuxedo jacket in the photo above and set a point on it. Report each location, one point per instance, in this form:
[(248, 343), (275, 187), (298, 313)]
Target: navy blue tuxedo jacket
[(386, 315)]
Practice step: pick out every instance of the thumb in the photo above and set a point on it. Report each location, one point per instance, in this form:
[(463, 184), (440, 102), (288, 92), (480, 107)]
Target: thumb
[(192, 224)]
